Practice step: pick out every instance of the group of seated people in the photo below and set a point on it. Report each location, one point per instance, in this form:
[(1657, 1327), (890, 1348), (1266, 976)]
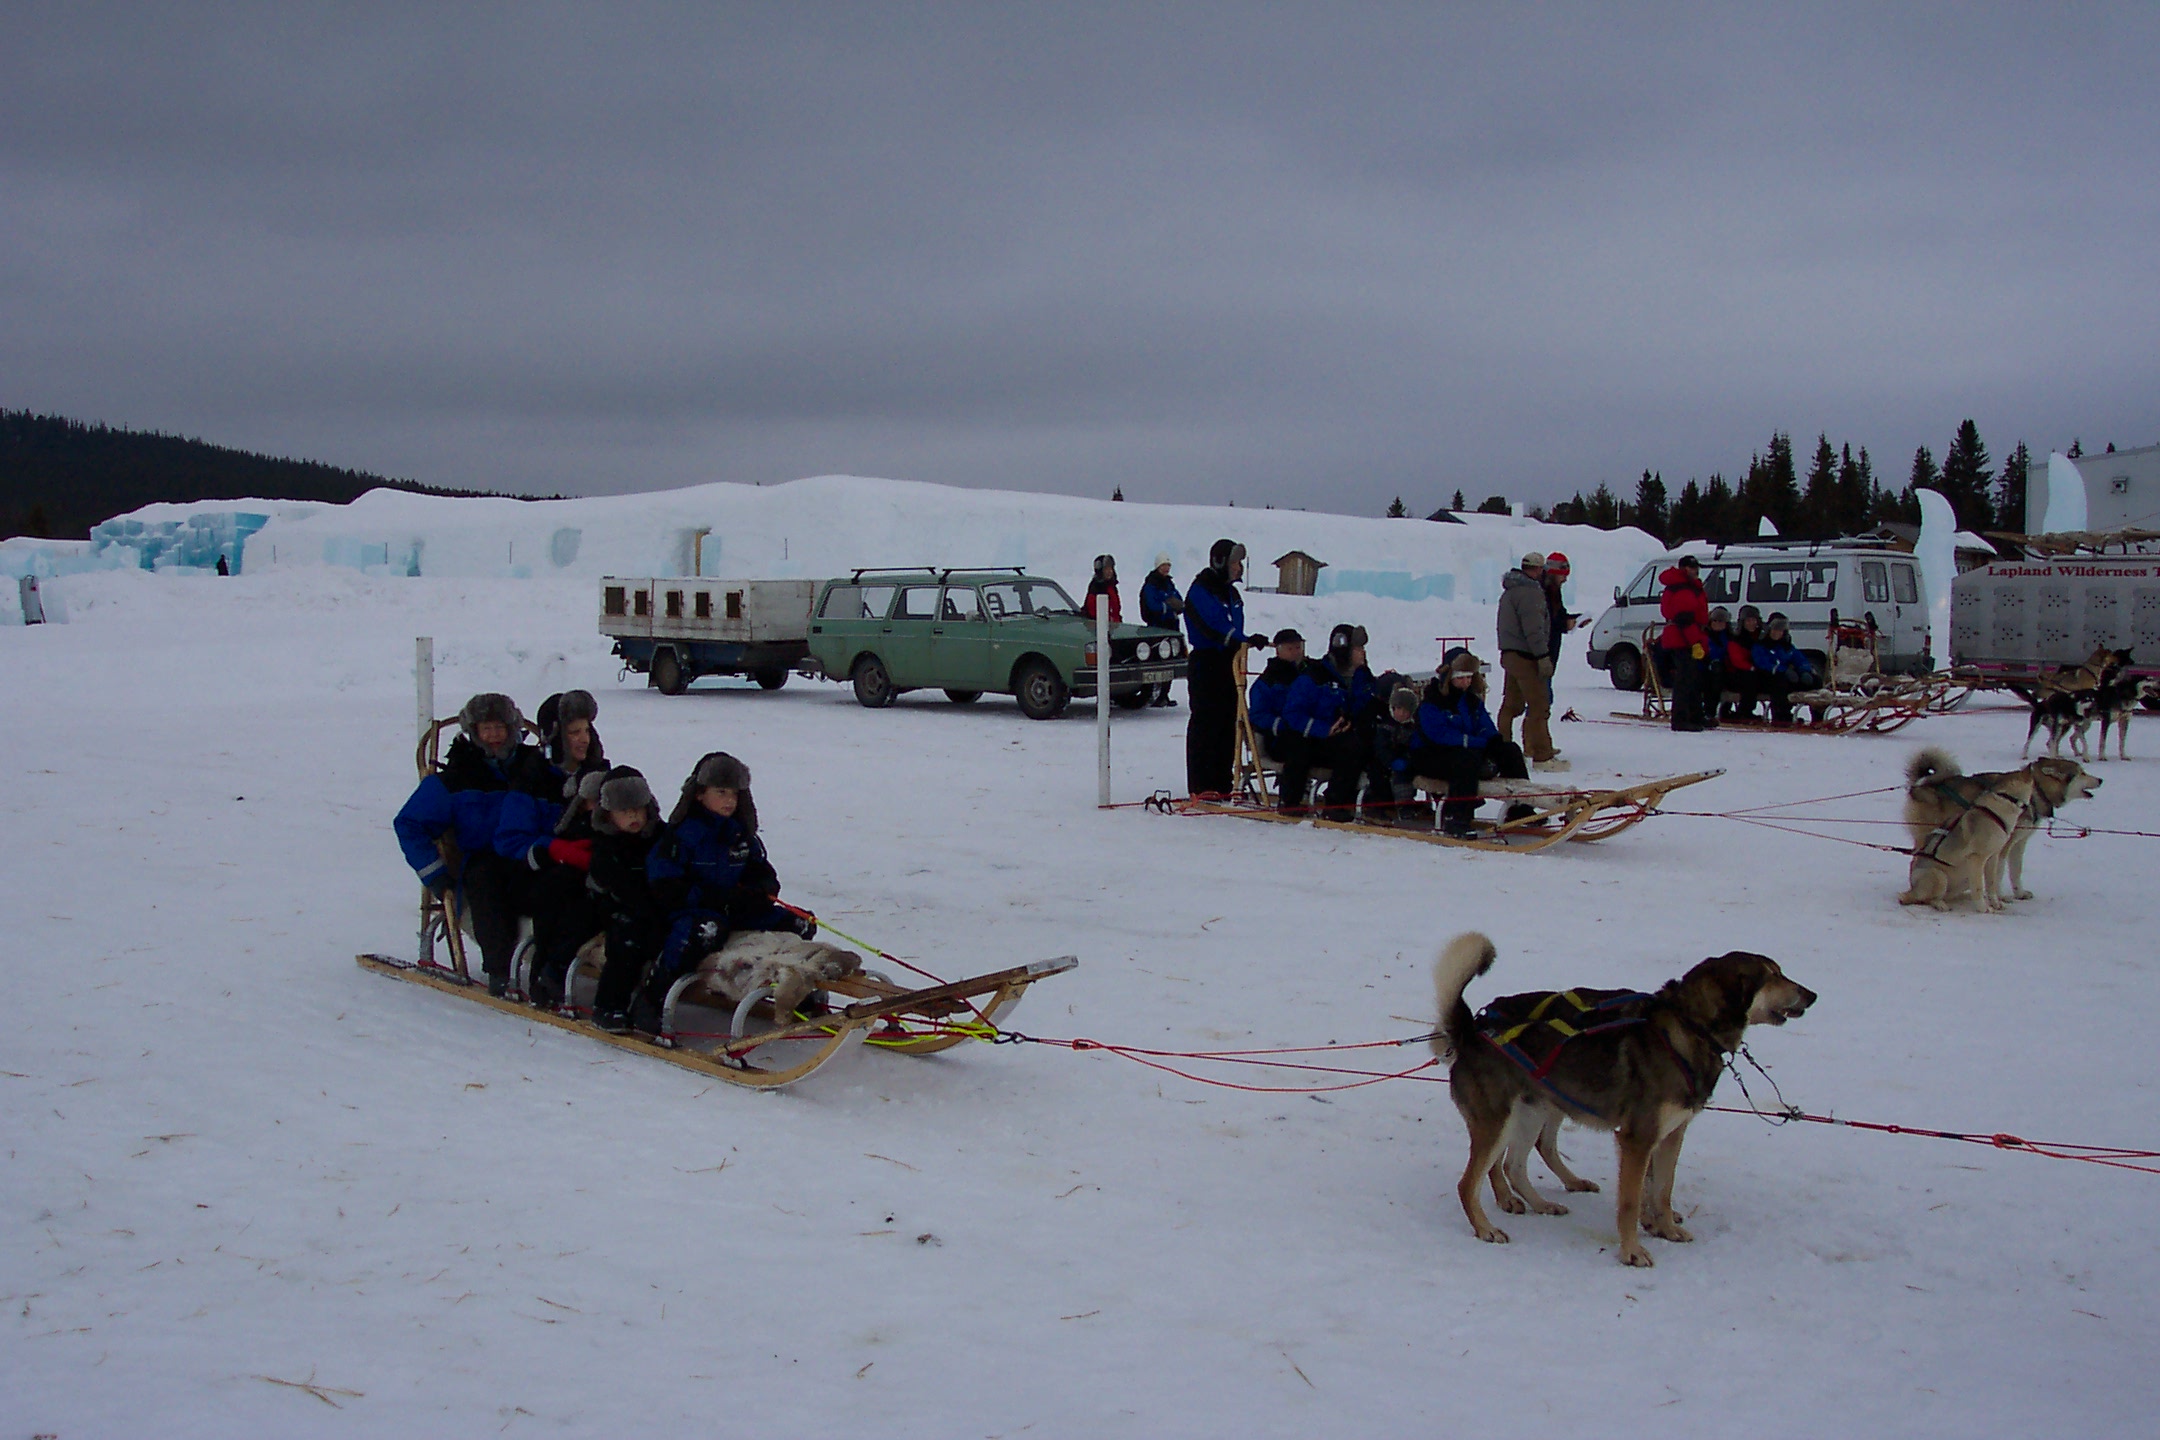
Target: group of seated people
[(1737, 668), (504, 830), (1377, 736)]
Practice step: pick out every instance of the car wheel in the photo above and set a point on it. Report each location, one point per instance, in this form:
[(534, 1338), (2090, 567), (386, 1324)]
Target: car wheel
[(873, 684), (1041, 691), (1132, 699), (1625, 667), (667, 674), (963, 697), (770, 679)]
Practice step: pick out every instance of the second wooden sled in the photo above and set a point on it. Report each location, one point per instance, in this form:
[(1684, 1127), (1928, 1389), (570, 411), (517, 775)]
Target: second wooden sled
[(762, 1051), (1555, 814)]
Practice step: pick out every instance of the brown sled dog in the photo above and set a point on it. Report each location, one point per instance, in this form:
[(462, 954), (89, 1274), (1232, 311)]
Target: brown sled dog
[(1964, 850), (1644, 1082), (1937, 794)]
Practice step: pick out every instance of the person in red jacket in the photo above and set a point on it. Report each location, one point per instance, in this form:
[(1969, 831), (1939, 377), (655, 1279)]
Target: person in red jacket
[(1104, 583), (1685, 606)]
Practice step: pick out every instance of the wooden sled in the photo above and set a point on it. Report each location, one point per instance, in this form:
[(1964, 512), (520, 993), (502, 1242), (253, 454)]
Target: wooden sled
[(1857, 698), (1555, 814), (762, 1051)]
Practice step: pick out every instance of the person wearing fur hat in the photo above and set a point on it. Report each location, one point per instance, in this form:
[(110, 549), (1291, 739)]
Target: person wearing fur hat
[(1102, 589), (1325, 723), (1717, 647), (626, 826), (710, 875), (1782, 668), (1215, 630), (1160, 606), (1395, 738), (546, 826), (447, 828), (1458, 741), (1741, 679)]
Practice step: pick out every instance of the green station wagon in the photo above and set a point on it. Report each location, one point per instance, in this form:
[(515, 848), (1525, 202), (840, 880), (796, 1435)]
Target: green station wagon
[(976, 632)]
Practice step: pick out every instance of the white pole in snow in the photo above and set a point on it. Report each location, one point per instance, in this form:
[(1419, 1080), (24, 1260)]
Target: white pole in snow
[(1102, 700), (423, 669)]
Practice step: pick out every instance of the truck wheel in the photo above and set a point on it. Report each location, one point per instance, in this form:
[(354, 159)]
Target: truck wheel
[(769, 679), (1131, 699), (963, 697), (873, 683), (1625, 667), (667, 674), (1041, 691)]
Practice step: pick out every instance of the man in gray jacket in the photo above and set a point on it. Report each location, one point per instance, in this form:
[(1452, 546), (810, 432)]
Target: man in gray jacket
[(1526, 660)]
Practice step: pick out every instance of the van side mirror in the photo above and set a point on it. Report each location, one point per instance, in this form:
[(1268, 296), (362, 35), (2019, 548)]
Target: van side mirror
[(1616, 596)]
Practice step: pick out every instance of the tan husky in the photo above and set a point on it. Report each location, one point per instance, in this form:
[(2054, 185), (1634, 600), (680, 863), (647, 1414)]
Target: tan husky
[(1963, 852)]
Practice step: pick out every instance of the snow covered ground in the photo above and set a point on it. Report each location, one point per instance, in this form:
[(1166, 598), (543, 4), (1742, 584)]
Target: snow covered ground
[(233, 1157)]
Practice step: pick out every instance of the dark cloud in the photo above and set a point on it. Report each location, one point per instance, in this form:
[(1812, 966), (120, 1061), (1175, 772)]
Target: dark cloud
[(1289, 254)]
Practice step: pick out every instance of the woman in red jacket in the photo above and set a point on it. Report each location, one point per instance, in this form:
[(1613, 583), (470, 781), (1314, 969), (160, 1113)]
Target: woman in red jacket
[(1685, 606)]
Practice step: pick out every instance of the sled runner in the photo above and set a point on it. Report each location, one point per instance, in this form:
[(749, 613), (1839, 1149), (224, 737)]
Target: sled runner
[(1544, 814), (752, 1046)]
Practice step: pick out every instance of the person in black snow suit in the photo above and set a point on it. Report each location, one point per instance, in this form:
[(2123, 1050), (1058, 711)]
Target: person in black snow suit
[(1327, 723), (1215, 630), (447, 828), (626, 825), (1391, 789), (546, 826), (710, 876), (1160, 606)]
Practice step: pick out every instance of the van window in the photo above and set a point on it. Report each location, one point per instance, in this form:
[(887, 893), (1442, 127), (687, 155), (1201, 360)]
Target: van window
[(1908, 584), (1792, 582), (1874, 582), (917, 602), (1643, 589), (1722, 584)]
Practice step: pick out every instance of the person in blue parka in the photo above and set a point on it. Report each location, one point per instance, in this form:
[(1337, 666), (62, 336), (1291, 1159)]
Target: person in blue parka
[(1215, 628), (447, 829), (1325, 724), (1160, 606), (1458, 742), (710, 876), (1782, 666), (1270, 689)]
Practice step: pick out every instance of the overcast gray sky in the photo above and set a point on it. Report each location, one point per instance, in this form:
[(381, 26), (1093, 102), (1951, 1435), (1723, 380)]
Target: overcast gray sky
[(1294, 254)]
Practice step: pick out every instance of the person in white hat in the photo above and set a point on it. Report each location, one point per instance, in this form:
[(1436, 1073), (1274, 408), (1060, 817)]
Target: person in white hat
[(1160, 606)]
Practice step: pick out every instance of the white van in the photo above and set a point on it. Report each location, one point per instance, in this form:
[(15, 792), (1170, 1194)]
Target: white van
[(1808, 580)]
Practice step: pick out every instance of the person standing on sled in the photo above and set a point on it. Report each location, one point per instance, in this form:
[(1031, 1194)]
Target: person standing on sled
[(1459, 743), (1681, 647), (1160, 606), (1526, 661), (546, 826), (1215, 630), (710, 876), (447, 829), (626, 826), (1320, 724)]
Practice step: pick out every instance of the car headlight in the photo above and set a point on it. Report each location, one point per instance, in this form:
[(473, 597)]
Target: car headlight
[(1146, 651)]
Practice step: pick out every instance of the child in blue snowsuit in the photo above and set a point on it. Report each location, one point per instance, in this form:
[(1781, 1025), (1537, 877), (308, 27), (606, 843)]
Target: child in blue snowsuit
[(710, 876)]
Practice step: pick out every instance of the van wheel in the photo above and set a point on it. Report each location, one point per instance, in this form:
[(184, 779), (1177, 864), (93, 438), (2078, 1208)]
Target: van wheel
[(770, 679), (1625, 667), (963, 697), (873, 684), (1041, 691), (667, 674)]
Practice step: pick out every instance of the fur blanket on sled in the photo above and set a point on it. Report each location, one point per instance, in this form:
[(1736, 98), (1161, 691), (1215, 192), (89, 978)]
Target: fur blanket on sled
[(790, 965)]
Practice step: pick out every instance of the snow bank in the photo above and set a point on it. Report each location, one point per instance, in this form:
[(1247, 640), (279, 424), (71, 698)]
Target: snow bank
[(823, 526)]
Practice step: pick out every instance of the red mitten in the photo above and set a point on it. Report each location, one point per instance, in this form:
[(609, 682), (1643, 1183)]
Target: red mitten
[(576, 853)]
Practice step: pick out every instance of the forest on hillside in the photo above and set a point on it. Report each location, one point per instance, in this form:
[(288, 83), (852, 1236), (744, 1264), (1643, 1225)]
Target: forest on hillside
[(59, 477)]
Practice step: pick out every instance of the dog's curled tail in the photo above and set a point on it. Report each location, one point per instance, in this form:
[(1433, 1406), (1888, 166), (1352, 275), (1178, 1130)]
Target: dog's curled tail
[(1930, 763), (1466, 957)]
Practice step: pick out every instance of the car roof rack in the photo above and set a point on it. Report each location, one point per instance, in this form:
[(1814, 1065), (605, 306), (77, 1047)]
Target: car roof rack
[(941, 572)]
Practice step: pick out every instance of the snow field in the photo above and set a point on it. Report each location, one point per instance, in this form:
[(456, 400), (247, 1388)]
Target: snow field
[(231, 1154)]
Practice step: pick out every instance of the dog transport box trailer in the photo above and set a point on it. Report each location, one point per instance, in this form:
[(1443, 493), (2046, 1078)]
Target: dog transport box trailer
[(2020, 620), (673, 629), (1807, 580)]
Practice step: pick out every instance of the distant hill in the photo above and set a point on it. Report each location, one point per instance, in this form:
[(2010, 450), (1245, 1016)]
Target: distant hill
[(59, 477)]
